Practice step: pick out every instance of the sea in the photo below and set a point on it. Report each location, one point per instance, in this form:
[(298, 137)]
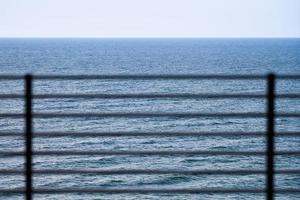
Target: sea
[(77, 56)]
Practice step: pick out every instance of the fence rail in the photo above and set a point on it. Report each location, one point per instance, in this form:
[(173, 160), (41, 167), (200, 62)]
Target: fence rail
[(148, 134), (152, 76), (270, 115)]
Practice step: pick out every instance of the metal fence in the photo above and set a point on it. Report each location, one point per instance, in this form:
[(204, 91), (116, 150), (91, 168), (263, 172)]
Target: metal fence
[(269, 133)]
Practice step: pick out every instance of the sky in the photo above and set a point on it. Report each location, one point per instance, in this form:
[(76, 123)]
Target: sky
[(150, 18)]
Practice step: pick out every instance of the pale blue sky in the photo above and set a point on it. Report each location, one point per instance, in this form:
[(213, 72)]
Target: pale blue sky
[(149, 18)]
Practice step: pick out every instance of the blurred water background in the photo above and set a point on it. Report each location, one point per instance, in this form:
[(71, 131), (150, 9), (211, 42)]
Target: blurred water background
[(150, 56)]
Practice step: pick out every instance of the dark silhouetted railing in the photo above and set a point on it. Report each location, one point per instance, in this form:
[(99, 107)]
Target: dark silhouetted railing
[(270, 134)]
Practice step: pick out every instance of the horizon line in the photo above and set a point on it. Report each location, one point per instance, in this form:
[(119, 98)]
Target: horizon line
[(71, 37)]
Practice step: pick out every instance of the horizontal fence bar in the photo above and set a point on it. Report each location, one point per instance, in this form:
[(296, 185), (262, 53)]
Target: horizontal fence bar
[(137, 96), (165, 134), (147, 191), (149, 153), (149, 115), (149, 134), (11, 77), (148, 171), (149, 76), (142, 96), (287, 76), (188, 96), (164, 76)]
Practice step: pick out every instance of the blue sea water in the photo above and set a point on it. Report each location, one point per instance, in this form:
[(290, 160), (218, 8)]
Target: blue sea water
[(150, 56)]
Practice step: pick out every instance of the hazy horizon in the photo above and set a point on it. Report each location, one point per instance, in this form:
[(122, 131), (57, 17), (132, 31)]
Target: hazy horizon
[(150, 19), (150, 37)]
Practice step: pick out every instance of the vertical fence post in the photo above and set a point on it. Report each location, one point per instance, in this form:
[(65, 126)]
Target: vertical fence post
[(270, 136), (28, 136)]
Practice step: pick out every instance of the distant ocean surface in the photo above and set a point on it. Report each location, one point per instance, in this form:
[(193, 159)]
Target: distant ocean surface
[(150, 56)]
